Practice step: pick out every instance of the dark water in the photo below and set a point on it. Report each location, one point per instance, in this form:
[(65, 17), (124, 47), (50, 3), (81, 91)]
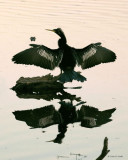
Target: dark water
[(25, 125)]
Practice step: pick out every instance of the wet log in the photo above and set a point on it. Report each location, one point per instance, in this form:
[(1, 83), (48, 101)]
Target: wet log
[(45, 87), (38, 83)]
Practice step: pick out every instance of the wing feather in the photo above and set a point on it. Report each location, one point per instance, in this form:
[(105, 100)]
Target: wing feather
[(92, 55), (39, 55)]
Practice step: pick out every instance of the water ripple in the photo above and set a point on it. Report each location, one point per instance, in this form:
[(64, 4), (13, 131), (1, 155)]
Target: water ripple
[(64, 12)]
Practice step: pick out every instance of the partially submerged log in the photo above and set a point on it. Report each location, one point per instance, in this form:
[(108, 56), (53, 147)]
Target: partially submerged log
[(39, 83), (45, 87)]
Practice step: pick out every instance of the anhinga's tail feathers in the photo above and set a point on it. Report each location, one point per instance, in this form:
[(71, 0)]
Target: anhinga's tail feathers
[(70, 75)]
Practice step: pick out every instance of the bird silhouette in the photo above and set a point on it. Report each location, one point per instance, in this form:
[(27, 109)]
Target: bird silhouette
[(65, 57)]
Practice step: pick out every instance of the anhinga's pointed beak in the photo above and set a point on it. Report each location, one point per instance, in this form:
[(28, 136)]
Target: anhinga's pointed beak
[(50, 141), (50, 30)]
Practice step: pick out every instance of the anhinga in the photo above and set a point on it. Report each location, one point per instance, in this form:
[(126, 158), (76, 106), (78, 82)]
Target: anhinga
[(65, 57)]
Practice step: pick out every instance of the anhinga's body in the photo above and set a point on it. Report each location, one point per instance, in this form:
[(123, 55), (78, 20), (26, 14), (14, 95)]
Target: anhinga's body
[(65, 57), (68, 62)]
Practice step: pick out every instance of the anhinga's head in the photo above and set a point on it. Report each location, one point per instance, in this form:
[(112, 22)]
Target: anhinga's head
[(62, 41), (58, 31)]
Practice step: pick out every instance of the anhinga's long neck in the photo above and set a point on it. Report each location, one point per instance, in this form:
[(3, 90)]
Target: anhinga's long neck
[(62, 41)]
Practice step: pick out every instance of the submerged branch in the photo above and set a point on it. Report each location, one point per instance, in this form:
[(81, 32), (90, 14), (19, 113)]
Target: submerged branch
[(105, 150)]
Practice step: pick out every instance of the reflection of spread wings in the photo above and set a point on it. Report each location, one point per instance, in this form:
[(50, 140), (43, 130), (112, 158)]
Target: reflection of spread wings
[(39, 55), (92, 55)]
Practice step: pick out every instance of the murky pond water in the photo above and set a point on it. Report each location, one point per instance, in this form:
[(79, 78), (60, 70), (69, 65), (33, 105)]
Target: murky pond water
[(30, 128)]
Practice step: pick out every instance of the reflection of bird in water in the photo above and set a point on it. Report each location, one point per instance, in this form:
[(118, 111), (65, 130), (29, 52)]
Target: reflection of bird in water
[(43, 117), (65, 57)]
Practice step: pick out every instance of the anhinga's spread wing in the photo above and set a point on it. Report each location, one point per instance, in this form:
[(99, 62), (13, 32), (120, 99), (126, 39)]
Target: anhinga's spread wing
[(92, 55), (39, 55)]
